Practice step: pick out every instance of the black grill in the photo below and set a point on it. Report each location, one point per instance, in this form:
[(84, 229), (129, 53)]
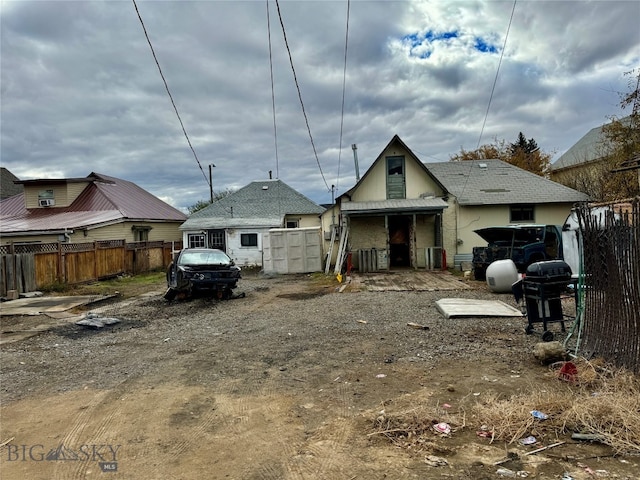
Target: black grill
[(542, 286), (548, 272)]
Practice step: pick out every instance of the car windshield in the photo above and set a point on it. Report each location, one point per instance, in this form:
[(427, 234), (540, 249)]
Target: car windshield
[(209, 257)]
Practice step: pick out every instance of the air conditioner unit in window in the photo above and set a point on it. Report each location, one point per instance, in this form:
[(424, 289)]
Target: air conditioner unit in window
[(46, 202)]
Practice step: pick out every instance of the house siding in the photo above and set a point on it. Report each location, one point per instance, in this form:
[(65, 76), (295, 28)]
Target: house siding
[(470, 218), (245, 255), (64, 195)]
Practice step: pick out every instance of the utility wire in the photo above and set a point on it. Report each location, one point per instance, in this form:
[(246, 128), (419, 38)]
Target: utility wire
[(304, 113), (344, 81), (169, 93), (273, 96), (495, 80)]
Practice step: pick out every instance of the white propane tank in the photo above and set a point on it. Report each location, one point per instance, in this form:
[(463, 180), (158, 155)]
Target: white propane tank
[(501, 275)]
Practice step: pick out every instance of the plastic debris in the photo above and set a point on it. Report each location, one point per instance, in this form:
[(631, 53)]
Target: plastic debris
[(566, 476), (434, 461), (442, 427), (568, 372), (505, 472), (539, 415), (530, 440)]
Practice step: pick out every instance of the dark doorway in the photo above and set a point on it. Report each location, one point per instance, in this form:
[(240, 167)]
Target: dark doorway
[(216, 240), (399, 241)]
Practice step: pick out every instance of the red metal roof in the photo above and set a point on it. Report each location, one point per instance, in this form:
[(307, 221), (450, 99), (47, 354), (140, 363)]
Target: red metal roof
[(105, 200)]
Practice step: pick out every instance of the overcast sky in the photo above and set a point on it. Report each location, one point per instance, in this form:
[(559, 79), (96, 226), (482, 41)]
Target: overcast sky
[(81, 91)]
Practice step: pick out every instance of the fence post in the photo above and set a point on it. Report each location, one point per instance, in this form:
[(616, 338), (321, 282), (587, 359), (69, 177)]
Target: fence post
[(61, 267), (95, 260)]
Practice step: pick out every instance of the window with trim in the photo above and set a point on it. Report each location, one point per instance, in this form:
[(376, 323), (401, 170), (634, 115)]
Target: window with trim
[(522, 213), (196, 240), (249, 239), (140, 233), (396, 187), (292, 223)]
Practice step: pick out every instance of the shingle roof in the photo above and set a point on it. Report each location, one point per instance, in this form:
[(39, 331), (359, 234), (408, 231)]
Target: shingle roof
[(7, 187), (394, 205), (499, 182), (259, 204), (591, 147), (105, 200)]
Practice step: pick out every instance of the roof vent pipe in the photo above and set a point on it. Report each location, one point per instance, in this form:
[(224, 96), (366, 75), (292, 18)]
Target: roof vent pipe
[(354, 147)]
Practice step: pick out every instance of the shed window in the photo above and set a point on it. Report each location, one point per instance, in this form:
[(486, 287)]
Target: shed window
[(522, 213), (196, 240), (249, 239)]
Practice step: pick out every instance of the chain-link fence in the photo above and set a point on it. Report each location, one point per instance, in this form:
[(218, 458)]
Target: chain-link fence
[(610, 285)]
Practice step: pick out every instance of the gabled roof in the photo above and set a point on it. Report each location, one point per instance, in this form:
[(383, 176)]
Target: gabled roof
[(591, 147), (259, 204), (398, 140), (7, 186), (494, 182), (105, 200)]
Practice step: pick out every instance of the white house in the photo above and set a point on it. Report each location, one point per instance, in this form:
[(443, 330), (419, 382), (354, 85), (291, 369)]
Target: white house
[(240, 222)]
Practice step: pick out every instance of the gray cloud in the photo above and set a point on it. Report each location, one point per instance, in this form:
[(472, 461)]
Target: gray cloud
[(81, 91)]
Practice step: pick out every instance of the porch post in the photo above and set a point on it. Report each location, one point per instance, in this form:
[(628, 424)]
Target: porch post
[(386, 229), (414, 245)]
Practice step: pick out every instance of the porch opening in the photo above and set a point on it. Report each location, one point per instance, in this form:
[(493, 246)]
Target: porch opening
[(399, 241)]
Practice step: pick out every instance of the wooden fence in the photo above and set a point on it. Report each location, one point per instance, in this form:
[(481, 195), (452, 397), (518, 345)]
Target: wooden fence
[(28, 267)]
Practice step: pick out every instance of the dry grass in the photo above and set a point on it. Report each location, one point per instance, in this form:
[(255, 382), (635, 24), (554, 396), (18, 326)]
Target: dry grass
[(601, 402), (414, 429)]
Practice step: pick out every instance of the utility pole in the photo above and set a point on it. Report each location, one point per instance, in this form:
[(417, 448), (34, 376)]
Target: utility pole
[(210, 182)]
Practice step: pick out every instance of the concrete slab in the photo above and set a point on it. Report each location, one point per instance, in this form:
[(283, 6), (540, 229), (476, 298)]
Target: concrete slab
[(467, 307), (408, 280), (47, 305)]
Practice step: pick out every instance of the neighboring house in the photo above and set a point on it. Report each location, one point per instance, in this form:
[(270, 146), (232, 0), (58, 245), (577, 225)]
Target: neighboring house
[(403, 212), (585, 161), (80, 210), (488, 193), (239, 222), (8, 187)]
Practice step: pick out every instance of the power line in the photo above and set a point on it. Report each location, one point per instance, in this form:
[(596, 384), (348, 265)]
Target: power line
[(166, 86), (304, 113), (273, 96), (495, 80), (344, 81), (504, 45)]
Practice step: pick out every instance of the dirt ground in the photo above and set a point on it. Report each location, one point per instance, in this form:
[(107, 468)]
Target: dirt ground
[(294, 381)]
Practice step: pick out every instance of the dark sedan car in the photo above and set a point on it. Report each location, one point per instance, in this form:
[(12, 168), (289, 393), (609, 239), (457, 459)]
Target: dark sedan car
[(202, 270)]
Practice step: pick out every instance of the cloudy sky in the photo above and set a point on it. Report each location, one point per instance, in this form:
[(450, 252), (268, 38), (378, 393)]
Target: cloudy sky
[(81, 91)]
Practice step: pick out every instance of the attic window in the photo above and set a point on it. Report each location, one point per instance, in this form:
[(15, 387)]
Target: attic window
[(45, 198)]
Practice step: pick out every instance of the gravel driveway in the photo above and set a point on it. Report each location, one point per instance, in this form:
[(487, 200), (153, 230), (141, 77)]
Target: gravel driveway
[(285, 383)]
